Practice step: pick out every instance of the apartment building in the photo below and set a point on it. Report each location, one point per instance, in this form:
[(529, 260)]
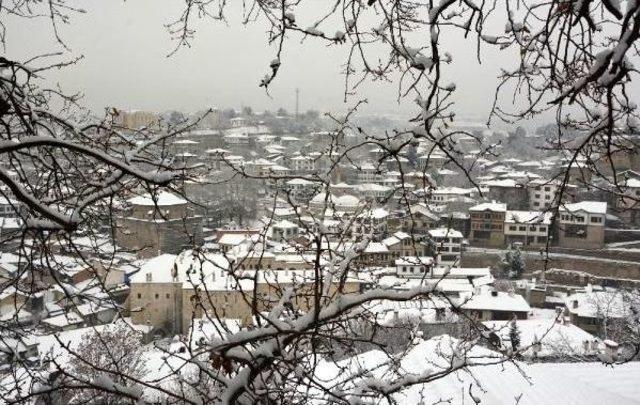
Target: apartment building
[(448, 246), (487, 224), (542, 193), (581, 225), (528, 228)]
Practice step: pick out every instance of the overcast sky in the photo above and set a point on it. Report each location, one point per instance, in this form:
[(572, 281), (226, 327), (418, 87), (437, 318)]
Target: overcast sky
[(125, 47)]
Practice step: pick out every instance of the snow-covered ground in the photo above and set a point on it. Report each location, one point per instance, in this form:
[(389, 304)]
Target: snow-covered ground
[(486, 378)]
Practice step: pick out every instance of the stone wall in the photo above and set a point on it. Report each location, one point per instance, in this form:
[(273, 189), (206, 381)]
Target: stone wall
[(592, 265)]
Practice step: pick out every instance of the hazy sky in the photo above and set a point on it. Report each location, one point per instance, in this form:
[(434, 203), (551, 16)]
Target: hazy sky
[(125, 47)]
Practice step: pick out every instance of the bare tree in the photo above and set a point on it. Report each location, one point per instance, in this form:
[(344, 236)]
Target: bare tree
[(72, 173)]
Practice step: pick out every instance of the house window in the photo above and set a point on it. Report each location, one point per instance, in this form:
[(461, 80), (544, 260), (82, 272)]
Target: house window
[(596, 220), (157, 296), (512, 227), (522, 228), (543, 229), (139, 296), (168, 295)]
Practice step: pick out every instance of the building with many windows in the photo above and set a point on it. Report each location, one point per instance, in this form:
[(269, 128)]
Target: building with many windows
[(487, 224), (581, 225), (448, 246), (528, 228), (542, 193)]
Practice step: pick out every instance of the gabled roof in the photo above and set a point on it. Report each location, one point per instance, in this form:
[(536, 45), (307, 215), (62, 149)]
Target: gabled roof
[(489, 206), (591, 207), (161, 199), (495, 301), (528, 217), (444, 233)]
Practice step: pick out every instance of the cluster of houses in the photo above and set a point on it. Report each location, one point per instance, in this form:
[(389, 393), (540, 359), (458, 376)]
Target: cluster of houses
[(398, 222)]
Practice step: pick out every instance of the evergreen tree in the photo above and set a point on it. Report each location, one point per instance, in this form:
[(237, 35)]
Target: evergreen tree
[(513, 263)]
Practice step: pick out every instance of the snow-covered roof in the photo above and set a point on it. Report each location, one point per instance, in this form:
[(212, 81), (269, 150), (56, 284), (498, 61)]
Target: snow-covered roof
[(300, 182), (341, 186), (60, 321), (283, 224), (597, 304), (528, 217), (591, 207), (632, 183), (8, 201), (490, 206), (510, 183), (372, 187), (376, 213), (346, 200), (422, 209), (498, 383), (444, 233), (234, 239), (555, 338), (485, 299), (162, 198), (376, 247), (10, 223)]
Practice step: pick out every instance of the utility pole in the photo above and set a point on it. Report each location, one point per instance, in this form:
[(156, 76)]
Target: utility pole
[(297, 102)]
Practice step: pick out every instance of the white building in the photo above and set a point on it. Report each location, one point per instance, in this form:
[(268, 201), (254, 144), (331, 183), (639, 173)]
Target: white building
[(582, 225), (529, 228), (542, 193), (414, 266), (448, 245)]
